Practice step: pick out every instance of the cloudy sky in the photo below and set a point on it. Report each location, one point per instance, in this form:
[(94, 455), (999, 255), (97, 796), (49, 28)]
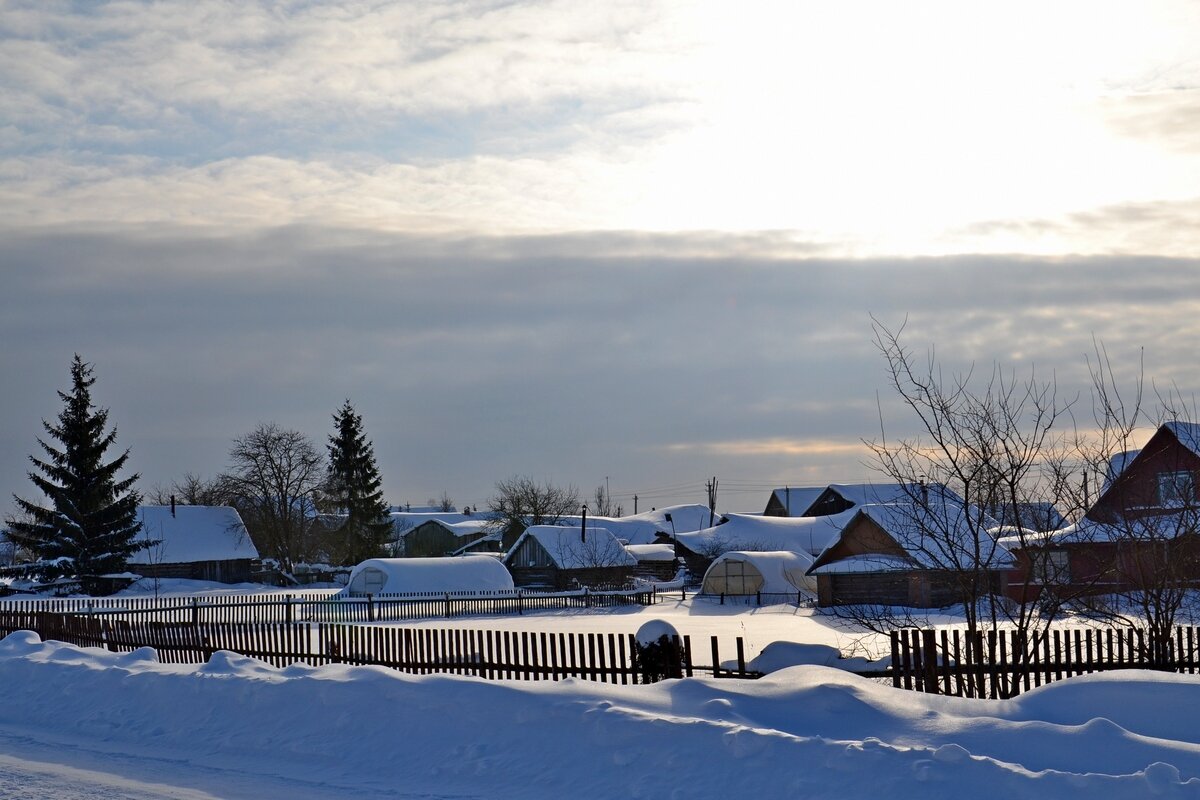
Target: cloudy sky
[(638, 241)]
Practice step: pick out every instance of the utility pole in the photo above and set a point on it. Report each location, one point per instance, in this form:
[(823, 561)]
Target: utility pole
[(635, 505), (711, 486)]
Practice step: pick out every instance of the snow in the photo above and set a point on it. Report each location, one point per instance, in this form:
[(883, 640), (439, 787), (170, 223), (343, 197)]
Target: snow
[(653, 630), (429, 576), (192, 533), (237, 728), (651, 552), (796, 499), (1188, 434), (938, 535), (569, 550), (753, 532)]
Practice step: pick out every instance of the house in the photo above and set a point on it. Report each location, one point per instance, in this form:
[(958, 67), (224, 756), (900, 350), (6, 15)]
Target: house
[(751, 532), (1143, 528), (780, 573), (838, 497), (920, 555), (792, 501), (428, 576), (566, 558), (207, 543), (436, 537)]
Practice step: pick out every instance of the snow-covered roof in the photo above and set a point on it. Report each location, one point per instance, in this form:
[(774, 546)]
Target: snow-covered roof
[(474, 573), (934, 535), (192, 533), (940, 535), (1030, 516), (627, 529), (1153, 527), (755, 532), (471, 527), (687, 517), (782, 571), (651, 552), (403, 521), (569, 550), (862, 494), (796, 499)]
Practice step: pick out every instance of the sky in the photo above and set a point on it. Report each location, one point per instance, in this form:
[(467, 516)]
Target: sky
[(639, 243)]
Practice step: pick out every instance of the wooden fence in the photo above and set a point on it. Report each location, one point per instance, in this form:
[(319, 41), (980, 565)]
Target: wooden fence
[(609, 658), (1005, 663), (321, 606)]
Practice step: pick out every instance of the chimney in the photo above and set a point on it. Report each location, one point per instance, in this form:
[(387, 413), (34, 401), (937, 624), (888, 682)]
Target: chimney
[(583, 526)]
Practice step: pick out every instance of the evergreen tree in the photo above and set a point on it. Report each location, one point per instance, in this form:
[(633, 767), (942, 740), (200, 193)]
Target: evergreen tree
[(89, 527), (353, 489)]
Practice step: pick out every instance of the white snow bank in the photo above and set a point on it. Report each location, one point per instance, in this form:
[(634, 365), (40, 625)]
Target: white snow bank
[(801, 732), (781, 655)]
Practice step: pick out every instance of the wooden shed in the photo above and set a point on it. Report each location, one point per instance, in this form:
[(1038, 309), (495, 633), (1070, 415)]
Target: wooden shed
[(568, 558), (207, 543)]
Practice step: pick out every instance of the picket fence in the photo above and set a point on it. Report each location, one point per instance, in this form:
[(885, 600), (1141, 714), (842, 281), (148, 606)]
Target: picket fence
[(322, 606), (1004, 663), (509, 655)]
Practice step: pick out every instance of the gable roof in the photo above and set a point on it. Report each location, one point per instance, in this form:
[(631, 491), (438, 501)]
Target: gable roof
[(1188, 434), (568, 550), (795, 500), (934, 535), (191, 534), (468, 527)]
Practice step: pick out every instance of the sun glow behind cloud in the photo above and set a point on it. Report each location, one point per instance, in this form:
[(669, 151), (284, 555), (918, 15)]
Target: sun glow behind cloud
[(860, 127)]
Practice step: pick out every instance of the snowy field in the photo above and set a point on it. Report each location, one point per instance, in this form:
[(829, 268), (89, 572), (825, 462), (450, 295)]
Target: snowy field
[(84, 724), (90, 724)]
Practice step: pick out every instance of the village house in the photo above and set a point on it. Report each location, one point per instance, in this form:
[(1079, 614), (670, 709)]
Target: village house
[(553, 557), (919, 555), (207, 543), (1143, 528)]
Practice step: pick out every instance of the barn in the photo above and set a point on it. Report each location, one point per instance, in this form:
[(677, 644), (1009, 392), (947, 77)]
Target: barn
[(760, 573), (561, 558), (428, 576), (207, 543)]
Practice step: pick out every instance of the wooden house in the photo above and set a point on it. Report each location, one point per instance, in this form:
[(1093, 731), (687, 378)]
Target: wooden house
[(198, 542), (917, 555), (1144, 527), (436, 537), (554, 557)]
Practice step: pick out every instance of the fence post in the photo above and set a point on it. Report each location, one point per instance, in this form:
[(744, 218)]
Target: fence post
[(587, 598), (195, 612), (895, 659), (446, 614), (758, 598), (288, 609), (520, 601), (722, 598), (370, 608)]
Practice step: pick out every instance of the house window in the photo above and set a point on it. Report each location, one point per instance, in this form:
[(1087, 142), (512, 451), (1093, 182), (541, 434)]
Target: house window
[(1176, 489), (1052, 566)]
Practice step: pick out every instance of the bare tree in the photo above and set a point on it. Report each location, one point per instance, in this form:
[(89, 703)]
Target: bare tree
[(602, 505), (274, 480), (445, 503), (520, 501), (190, 490), (988, 446)]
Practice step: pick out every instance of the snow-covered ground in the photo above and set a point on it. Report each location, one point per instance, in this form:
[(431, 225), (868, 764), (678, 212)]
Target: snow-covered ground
[(87, 723)]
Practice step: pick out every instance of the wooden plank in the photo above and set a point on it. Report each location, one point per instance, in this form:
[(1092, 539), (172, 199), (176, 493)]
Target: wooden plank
[(947, 687), (929, 649)]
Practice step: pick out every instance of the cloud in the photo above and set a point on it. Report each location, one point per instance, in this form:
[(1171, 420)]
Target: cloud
[(570, 357)]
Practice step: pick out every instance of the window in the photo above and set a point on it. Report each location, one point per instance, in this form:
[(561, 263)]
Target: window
[(1176, 489)]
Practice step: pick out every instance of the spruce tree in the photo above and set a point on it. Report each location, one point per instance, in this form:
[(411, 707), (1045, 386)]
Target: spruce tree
[(90, 525), (353, 489)]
